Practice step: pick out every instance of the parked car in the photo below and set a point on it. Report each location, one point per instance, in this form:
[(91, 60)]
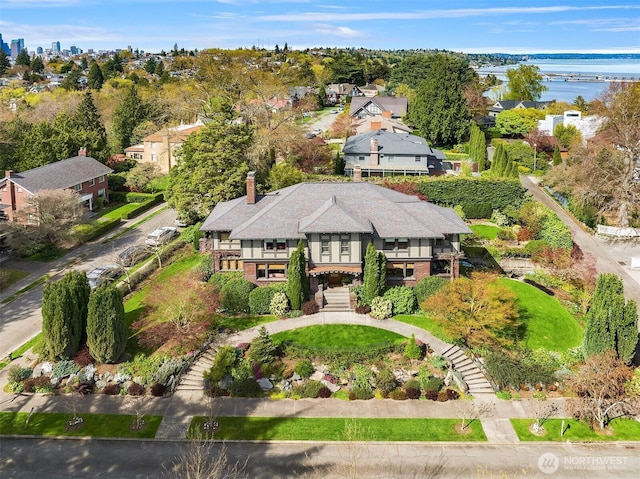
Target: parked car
[(181, 223), (161, 236), (333, 112), (310, 135), (134, 254), (103, 274)]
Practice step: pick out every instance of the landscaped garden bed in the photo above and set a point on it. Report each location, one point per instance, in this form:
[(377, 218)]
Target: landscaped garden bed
[(577, 431)]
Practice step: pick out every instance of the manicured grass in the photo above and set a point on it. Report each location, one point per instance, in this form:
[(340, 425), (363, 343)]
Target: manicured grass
[(134, 225), (28, 287), (336, 429), (95, 425), (117, 212), (548, 324), (47, 255), (486, 231), (624, 430), (243, 322), (425, 322), (338, 335), (13, 275)]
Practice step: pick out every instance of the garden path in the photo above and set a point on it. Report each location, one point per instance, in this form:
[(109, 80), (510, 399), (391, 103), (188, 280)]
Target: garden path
[(471, 373)]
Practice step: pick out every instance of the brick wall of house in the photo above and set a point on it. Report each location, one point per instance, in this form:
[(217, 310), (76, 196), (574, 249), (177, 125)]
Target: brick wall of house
[(12, 194), (88, 188), (251, 272), (421, 269)]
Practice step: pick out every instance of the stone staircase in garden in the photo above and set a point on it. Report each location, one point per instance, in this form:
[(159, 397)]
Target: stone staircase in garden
[(192, 381), (471, 373), (336, 300)]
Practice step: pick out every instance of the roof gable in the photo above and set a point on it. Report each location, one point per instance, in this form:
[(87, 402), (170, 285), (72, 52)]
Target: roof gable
[(330, 214)]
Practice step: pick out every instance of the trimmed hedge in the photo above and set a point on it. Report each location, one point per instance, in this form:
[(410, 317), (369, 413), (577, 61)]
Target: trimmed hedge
[(260, 298), (498, 194), (150, 202), (91, 231)]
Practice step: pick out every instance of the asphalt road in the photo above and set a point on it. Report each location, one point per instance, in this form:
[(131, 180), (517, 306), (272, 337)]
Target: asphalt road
[(72, 458), (21, 319)]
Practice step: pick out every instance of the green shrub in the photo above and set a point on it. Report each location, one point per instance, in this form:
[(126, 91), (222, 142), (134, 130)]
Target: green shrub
[(403, 299), (505, 395), (260, 298), (428, 286), (398, 395), (64, 369), (247, 388), (506, 235), (362, 393), (17, 374), (87, 232), (234, 296), (143, 206), (304, 368), (225, 359), (262, 349), (308, 389), (555, 233), (279, 304), (439, 362), (191, 235), (222, 278), (499, 218), (381, 308), (116, 183), (385, 381), (412, 383), (412, 350), (460, 211), (476, 210), (432, 384)]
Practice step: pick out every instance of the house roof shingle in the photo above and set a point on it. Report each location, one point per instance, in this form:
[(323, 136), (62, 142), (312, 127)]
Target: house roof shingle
[(390, 143), (61, 174), (333, 208), (397, 105)]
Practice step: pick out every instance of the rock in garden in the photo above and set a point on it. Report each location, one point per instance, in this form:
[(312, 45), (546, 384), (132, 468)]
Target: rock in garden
[(332, 387), (101, 384), (317, 376), (71, 380), (296, 377), (55, 382), (264, 384), (46, 368), (138, 380), (285, 386), (37, 371)]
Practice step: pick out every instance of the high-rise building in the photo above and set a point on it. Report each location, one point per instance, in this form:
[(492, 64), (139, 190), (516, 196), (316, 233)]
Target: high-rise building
[(39, 51), (55, 46), (16, 47), (4, 46)]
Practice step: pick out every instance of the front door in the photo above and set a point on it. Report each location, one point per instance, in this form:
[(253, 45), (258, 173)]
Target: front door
[(335, 279)]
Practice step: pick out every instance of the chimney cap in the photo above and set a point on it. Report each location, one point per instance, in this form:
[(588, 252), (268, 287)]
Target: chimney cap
[(251, 174)]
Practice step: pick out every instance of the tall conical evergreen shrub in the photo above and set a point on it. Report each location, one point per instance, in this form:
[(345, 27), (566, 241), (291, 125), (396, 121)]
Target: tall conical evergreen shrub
[(557, 158), (297, 281), (61, 329), (371, 274), (499, 161), (106, 329)]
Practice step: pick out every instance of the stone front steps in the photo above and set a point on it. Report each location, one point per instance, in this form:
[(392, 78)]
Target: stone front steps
[(472, 375), (337, 300), (193, 381)]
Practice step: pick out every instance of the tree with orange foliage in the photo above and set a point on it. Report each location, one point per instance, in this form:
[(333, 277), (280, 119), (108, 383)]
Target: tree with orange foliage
[(478, 311)]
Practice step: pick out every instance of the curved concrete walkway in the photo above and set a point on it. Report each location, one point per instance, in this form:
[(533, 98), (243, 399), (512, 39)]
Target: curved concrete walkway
[(474, 377)]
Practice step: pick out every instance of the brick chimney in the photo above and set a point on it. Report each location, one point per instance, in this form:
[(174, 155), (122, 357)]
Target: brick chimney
[(373, 153), (376, 125), (387, 114), (8, 173), (357, 174), (251, 188), (82, 152)]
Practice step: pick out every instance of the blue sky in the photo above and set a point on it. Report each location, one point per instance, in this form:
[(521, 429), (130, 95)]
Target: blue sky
[(517, 26)]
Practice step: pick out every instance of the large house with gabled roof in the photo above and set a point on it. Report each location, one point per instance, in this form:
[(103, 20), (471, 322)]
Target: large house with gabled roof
[(83, 174), (256, 234)]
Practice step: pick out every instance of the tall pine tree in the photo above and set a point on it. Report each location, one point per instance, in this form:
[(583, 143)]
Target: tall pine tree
[(90, 133), (612, 325), (78, 285), (106, 330), (95, 79), (61, 328), (130, 112)]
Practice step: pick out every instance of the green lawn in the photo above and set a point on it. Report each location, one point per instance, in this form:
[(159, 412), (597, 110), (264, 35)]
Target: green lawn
[(336, 429), (421, 320), (118, 212), (337, 335), (49, 253), (548, 324), (95, 425), (13, 275), (486, 231), (241, 323), (625, 430)]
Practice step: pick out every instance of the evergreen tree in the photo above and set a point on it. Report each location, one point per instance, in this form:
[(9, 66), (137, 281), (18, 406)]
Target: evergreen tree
[(159, 69), (371, 274), (95, 80), (150, 65), (338, 164), (439, 111), (611, 324), (478, 147), (262, 349), (557, 158), (78, 285), (60, 327), (23, 58), (514, 173), (322, 95), (84, 64), (297, 283), (382, 273), (71, 81), (106, 330), (36, 65), (412, 350), (130, 112), (5, 63), (90, 133), (499, 161)]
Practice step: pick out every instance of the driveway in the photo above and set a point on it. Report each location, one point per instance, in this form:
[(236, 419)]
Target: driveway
[(21, 319)]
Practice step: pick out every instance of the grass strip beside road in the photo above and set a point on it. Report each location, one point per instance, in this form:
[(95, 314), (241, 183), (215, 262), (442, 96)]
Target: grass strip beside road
[(578, 431), (94, 425), (26, 288), (134, 225), (338, 429)]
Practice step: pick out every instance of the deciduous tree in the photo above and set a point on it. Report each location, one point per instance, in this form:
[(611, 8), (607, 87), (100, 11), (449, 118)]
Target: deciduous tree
[(525, 83)]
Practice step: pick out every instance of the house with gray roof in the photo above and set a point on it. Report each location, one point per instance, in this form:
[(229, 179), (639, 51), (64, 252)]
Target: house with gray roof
[(385, 153), (503, 105), (256, 234), (83, 174), (391, 106)]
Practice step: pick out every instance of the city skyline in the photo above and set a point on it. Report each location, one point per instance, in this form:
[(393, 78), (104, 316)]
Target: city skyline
[(541, 26)]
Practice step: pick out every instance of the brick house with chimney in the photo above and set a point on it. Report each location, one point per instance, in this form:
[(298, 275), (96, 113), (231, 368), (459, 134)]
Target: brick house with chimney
[(83, 174), (385, 153), (256, 234)]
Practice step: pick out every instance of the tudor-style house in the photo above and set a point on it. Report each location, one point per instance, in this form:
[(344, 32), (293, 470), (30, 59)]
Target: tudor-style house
[(390, 106), (385, 153), (256, 234), (83, 174)]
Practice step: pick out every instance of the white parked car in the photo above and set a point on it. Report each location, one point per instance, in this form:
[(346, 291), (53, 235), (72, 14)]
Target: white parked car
[(161, 236), (103, 274)]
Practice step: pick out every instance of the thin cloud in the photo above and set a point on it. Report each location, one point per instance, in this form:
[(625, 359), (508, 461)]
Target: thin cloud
[(345, 32)]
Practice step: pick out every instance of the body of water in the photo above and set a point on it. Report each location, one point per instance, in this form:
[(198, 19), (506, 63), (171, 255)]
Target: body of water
[(566, 79)]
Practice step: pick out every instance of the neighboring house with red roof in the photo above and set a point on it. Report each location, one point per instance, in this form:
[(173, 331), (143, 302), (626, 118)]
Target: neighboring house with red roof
[(83, 174), (161, 148), (256, 234)]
